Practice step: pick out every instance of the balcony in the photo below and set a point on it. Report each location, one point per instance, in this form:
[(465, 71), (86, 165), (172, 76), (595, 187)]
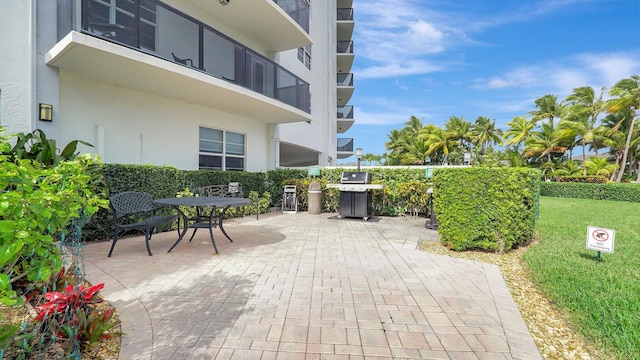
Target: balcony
[(298, 10), (345, 118), (345, 148), (345, 24), (275, 25), (345, 56), (345, 88), (176, 56)]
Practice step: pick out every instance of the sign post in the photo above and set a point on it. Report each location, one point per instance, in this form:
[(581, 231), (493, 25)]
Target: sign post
[(601, 240)]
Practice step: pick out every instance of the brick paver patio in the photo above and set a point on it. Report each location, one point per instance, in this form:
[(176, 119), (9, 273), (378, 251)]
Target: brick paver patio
[(300, 286)]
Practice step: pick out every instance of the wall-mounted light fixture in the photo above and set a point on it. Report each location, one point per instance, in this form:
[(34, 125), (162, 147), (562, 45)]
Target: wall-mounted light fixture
[(224, 2), (45, 112)]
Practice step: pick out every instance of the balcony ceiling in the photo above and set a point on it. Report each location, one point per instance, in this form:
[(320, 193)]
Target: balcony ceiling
[(344, 125), (344, 94), (345, 29), (345, 4), (344, 62), (260, 20), (103, 61)]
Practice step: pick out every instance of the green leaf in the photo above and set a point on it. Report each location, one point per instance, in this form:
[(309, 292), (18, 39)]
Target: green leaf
[(8, 251)]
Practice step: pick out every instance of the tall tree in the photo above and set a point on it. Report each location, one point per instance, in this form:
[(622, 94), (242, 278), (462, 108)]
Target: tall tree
[(543, 143), (485, 133), (459, 129), (438, 143), (581, 118), (548, 108), (519, 130), (626, 95)]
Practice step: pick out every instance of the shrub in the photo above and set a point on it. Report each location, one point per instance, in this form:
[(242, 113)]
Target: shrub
[(35, 209), (609, 191), (485, 208)]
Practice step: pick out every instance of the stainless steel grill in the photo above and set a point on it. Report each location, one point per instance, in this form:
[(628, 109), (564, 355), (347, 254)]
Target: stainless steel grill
[(354, 177), (355, 194)]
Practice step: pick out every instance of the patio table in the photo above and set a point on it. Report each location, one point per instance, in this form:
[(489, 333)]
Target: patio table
[(206, 222)]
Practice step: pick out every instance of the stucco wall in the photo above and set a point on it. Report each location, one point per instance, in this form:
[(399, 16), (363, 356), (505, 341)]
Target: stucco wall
[(128, 126), (17, 107), (323, 86)]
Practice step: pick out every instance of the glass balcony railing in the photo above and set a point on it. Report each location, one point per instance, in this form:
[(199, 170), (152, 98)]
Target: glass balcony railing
[(345, 144), (297, 9), (345, 112), (345, 79), (345, 14), (345, 47), (156, 28)]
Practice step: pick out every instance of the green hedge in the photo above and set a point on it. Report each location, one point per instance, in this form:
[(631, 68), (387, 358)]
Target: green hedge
[(609, 191), (162, 181), (486, 208)]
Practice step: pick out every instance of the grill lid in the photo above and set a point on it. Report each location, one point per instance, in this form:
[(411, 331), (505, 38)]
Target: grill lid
[(354, 177)]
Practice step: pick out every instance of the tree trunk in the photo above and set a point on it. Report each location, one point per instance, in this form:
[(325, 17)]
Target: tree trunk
[(584, 159), (626, 149)]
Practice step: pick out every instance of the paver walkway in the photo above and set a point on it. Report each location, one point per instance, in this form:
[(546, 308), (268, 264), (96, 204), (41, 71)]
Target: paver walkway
[(300, 286)]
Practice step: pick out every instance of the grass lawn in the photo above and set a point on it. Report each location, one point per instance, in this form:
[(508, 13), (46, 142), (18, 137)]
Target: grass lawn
[(602, 298)]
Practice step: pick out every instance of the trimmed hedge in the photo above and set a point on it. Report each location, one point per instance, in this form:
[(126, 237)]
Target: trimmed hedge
[(486, 208), (609, 191), (164, 181)]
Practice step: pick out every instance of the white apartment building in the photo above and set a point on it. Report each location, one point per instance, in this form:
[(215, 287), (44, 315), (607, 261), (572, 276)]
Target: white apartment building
[(196, 84)]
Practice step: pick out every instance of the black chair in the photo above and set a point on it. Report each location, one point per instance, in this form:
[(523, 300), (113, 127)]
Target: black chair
[(133, 210), (187, 62), (211, 218)]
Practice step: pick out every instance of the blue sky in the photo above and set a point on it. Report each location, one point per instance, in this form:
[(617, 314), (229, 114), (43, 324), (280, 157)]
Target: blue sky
[(437, 58)]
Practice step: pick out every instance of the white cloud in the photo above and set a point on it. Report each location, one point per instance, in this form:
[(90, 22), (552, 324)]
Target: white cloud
[(407, 37), (396, 38), (382, 111), (561, 76), (397, 69)]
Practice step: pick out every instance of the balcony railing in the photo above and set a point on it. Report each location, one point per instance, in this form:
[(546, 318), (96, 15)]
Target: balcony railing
[(297, 9), (155, 28), (345, 112), (345, 144), (345, 79), (345, 14), (345, 47)]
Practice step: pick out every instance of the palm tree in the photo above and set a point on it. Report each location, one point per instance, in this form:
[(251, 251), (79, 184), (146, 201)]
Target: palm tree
[(543, 143), (485, 133), (518, 132), (459, 130), (438, 143), (569, 168), (548, 108), (581, 117), (600, 166), (626, 93)]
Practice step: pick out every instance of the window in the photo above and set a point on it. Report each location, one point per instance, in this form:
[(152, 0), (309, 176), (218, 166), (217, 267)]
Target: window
[(304, 55), (123, 21), (221, 150)]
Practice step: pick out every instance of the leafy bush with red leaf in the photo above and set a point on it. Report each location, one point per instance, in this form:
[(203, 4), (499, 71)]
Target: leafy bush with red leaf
[(71, 315)]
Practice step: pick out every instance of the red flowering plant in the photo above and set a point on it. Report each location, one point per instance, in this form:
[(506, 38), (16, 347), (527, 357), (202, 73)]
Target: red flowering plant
[(70, 314)]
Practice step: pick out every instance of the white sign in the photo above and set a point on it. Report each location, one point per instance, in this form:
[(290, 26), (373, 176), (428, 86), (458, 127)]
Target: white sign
[(600, 239)]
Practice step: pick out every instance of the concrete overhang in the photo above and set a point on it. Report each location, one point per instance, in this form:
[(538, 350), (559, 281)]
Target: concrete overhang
[(107, 62), (264, 21)]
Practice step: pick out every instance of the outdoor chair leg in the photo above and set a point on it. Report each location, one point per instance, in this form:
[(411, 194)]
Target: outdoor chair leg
[(113, 244), (147, 237)]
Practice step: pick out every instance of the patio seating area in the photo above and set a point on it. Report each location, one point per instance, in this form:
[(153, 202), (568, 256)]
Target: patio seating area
[(300, 286)]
